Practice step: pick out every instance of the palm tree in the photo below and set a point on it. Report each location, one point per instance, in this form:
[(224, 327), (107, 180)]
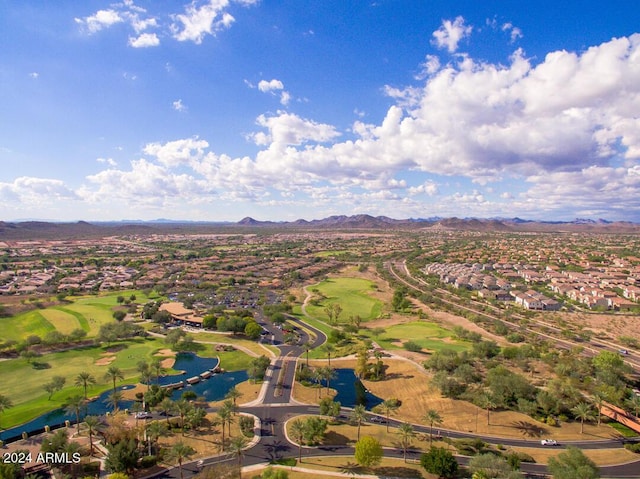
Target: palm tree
[(179, 452), (157, 368), (298, 431), (114, 399), (487, 402), (359, 415), (73, 406), (5, 403), (225, 414), (92, 423), (236, 446), (114, 373), (316, 374), (167, 406), (71, 448), (233, 394), (328, 374), (307, 347), (634, 403), (328, 348), (432, 417), (182, 407), (145, 373), (83, 379), (598, 402), (154, 431), (582, 411), (388, 407), (406, 433)]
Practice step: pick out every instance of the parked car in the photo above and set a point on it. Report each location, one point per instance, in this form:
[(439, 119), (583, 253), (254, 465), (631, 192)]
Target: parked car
[(549, 442), (143, 415)]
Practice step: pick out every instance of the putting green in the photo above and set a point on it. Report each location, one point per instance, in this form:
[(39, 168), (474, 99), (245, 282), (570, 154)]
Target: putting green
[(352, 294), (429, 336), (61, 320)]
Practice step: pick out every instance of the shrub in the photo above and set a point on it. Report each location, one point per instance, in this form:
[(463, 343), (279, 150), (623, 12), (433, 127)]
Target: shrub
[(148, 461), (246, 425), (633, 447), (439, 461), (412, 346)]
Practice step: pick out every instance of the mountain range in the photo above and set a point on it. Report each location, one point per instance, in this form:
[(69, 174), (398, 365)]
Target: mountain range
[(52, 230)]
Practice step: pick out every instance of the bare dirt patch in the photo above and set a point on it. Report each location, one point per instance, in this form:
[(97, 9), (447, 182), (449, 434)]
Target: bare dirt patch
[(168, 363), (105, 360), (129, 394), (166, 353), (410, 383), (169, 358), (611, 325)]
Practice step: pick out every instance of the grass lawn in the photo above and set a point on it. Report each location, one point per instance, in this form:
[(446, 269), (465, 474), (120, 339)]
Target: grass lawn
[(26, 324), (23, 384), (83, 312), (330, 253), (253, 346), (316, 323), (352, 294), (429, 336), (229, 360)]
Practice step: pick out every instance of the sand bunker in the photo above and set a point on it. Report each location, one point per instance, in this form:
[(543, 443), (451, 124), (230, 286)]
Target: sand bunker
[(166, 353), (105, 361)]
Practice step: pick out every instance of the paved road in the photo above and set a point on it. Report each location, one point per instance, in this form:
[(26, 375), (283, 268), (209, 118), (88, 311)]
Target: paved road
[(276, 408)]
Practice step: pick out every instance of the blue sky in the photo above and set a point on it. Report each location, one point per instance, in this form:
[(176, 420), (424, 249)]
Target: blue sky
[(279, 110)]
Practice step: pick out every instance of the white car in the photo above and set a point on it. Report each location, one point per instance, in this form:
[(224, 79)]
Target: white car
[(143, 415), (549, 442)]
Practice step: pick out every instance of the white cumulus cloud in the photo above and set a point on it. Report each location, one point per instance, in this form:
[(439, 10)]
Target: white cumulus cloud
[(179, 106), (144, 40), (451, 33), (33, 191), (200, 21), (101, 19), (268, 86), (566, 129), (273, 86)]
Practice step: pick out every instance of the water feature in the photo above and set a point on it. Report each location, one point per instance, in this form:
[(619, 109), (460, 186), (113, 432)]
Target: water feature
[(212, 389), (351, 391)]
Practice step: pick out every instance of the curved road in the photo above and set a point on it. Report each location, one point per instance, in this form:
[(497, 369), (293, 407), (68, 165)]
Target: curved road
[(275, 407)]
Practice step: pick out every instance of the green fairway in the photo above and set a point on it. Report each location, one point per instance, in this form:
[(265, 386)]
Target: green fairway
[(27, 324), (429, 336), (61, 320), (23, 383), (82, 312), (329, 253), (352, 294), (229, 360)]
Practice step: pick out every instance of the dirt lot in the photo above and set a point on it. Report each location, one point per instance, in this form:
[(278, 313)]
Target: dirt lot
[(409, 383), (610, 325)]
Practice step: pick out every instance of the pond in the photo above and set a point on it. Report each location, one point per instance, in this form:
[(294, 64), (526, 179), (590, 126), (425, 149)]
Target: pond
[(212, 389), (351, 391)]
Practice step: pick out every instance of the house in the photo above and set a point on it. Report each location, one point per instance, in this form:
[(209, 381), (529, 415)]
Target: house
[(533, 300), (181, 315)]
